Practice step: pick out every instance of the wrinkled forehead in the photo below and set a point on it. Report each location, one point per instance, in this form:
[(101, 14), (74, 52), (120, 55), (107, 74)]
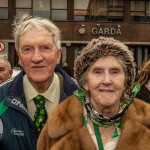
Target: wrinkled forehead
[(26, 36)]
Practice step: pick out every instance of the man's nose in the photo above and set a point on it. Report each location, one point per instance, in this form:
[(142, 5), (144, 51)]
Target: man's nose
[(37, 56)]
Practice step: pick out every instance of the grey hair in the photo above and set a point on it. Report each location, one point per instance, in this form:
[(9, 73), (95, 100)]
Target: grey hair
[(23, 22), (7, 62)]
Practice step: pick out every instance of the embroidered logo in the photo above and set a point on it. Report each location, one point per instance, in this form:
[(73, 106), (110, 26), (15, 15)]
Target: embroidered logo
[(1, 129), (16, 132)]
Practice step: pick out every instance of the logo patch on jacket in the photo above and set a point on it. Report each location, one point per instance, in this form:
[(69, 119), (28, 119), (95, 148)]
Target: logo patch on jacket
[(17, 132), (1, 129)]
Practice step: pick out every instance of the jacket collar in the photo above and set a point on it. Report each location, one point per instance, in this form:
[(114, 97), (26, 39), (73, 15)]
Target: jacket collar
[(16, 87)]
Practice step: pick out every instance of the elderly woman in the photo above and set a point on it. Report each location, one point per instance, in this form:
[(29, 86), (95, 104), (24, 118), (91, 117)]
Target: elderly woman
[(90, 118)]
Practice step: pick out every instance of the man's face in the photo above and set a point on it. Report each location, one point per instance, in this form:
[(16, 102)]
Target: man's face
[(38, 56), (5, 72)]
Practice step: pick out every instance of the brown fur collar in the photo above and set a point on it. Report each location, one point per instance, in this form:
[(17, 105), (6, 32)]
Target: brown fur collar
[(135, 128), (65, 130)]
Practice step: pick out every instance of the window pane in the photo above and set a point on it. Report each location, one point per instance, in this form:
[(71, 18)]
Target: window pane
[(116, 10), (81, 10), (81, 4), (148, 12), (24, 11), (137, 5), (59, 14), (116, 3), (117, 14), (99, 10), (148, 18), (3, 3), (3, 13), (41, 8), (138, 16), (77, 50), (81, 15), (59, 4), (23, 3)]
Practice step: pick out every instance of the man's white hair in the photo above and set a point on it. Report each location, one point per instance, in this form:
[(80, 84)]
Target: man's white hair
[(23, 22)]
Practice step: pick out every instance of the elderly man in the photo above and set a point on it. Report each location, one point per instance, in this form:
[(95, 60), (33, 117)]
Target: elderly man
[(38, 89), (5, 70)]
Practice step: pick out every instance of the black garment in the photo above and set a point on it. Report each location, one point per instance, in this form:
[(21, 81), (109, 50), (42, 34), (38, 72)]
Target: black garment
[(144, 94), (67, 70)]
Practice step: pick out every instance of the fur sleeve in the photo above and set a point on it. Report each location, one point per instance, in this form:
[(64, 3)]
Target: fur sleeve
[(44, 139), (135, 127)]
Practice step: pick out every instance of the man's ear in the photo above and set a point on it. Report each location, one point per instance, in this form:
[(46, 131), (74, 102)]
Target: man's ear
[(85, 86), (19, 61), (59, 52), (10, 73)]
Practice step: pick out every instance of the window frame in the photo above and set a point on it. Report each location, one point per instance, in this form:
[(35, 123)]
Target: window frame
[(136, 18), (4, 7)]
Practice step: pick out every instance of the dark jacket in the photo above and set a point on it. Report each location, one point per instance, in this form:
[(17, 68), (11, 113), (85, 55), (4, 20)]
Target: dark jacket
[(144, 94), (16, 127)]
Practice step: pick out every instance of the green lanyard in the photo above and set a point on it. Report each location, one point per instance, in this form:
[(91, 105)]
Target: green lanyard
[(98, 137), (97, 133)]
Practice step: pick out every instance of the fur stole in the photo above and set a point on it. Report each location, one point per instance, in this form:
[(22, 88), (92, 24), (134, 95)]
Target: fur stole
[(135, 127), (65, 129)]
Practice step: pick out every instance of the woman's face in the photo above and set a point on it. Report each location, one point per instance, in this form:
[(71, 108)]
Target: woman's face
[(106, 81)]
